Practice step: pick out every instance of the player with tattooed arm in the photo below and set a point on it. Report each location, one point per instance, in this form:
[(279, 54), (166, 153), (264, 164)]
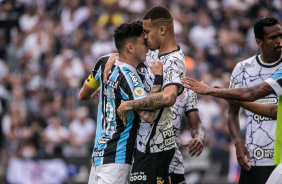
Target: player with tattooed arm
[(114, 142)]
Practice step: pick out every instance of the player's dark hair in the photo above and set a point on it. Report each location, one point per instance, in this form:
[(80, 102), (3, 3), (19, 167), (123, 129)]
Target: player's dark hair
[(127, 32), (261, 23), (157, 12)]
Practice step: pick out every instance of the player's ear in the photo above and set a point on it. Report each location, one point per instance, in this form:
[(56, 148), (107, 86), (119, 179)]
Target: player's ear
[(259, 42), (162, 30), (129, 47)]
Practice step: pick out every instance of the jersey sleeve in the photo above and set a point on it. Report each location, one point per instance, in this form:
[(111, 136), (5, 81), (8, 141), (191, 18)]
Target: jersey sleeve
[(235, 81), (192, 102), (174, 69), (275, 81), (131, 87), (99, 66)]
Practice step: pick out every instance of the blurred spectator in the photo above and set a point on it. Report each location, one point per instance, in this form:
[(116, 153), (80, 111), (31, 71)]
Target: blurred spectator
[(202, 35), (48, 46), (73, 15), (53, 137), (82, 130)]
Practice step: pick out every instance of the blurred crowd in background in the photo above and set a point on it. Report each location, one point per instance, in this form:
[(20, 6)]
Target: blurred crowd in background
[(49, 47)]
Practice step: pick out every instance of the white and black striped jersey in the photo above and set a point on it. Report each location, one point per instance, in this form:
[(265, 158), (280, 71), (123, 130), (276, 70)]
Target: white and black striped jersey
[(185, 103), (114, 142), (260, 131), (158, 136)]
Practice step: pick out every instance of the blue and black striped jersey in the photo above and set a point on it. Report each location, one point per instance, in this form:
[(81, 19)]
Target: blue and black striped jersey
[(114, 142)]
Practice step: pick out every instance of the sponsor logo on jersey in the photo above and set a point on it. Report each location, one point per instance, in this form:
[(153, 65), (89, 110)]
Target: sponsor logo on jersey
[(168, 136), (98, 153), (136, 176), (112, 84), (133, 78), (247, 65), (109, 94), (103, 140), (260, 153), (160, 180), (259, 118), (139, 91), (168, 76), (147, 87), (271, 100)]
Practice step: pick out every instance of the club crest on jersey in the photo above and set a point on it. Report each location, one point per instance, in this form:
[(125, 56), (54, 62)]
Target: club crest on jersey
[(138, 91), (181, 98), (134, 79)]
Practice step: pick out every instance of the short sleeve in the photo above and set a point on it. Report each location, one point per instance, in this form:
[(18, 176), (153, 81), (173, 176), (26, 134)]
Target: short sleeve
[(275, 81)]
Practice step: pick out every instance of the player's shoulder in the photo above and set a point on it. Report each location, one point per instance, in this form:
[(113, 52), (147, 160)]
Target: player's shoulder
[(103, 59), (247, 63), (175, 54)]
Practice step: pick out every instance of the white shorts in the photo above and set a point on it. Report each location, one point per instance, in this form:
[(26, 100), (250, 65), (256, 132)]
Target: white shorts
[(276, 176), (109, 174)]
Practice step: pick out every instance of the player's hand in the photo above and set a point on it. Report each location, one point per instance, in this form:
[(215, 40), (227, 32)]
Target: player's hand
[(96, 93), (112, 59), (241, 152), (157, 68), (198, 87), (123, 112), (195, 146)]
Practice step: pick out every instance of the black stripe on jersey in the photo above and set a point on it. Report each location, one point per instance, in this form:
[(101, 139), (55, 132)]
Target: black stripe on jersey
[(279, 81), (101, 62), (178, 49), (155, 123), (268, 66), (177, 84), (110, 152), (192, 110)]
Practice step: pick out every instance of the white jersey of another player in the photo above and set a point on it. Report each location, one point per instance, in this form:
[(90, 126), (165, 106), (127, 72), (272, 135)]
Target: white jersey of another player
[(159, 136), (185, 103), (260, 131)]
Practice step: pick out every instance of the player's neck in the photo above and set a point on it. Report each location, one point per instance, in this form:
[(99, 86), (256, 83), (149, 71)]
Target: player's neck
[(266, 58), (128, 59), (168, 44)]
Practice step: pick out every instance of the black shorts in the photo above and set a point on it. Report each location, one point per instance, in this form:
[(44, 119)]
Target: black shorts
[(177, 178), (151, 168), (257, 175)]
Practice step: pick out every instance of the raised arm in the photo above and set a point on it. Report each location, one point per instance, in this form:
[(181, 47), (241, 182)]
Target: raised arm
[(246, 94), (267, 110)]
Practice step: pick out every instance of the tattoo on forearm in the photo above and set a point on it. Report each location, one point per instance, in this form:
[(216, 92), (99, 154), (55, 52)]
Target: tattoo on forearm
[(152, 102), (257, 91), (155, 89)]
